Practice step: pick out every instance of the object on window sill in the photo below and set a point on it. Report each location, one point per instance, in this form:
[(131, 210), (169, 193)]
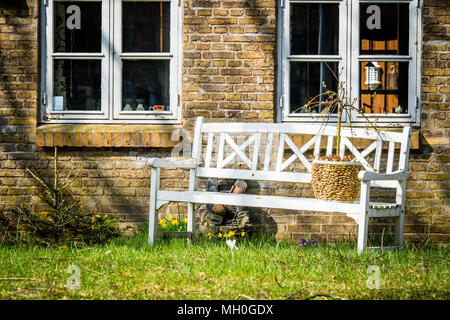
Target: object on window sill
[(399, 109), (127, 105), (140, 104), (58, 103), (159, 108)]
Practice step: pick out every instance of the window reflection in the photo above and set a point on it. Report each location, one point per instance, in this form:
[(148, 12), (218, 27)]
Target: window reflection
[(145, 85), (314, 29), (77, 85), (146, 26), (71, 35)]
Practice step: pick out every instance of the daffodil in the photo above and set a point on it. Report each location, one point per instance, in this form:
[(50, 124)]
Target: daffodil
[(164, 225), (170, 218), (161, 221), (174, 222), (230, 234), (242, 234), (185, 219), (209, 234), (219, 235)]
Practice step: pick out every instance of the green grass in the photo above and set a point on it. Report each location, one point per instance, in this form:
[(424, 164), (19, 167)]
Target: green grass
[(262, 269)]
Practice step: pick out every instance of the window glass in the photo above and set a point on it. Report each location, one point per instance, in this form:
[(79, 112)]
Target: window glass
[(145, 85), (77, 26), (314, 29), (146, 26), (384, 87), (384, 28), (309, 79), (77, 85)]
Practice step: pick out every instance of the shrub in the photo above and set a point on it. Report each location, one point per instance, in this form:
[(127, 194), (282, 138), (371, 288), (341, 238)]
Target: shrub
[(65, 221)]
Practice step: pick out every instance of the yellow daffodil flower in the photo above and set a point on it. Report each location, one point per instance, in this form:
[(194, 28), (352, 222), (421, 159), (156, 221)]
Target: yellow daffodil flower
[(174, 222), (242, 234), (185, 220), (219, 235), (230, 234), (209, 234), (170, 218)]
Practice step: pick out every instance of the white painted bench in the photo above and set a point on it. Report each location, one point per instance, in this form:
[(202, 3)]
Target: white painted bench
[(263, 152)]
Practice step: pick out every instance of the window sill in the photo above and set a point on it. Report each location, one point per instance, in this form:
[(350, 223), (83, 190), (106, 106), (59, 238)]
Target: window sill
[(87, 135)]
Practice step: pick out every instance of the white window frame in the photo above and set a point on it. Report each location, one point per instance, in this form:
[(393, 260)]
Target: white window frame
[(111, 71), (349, 59)]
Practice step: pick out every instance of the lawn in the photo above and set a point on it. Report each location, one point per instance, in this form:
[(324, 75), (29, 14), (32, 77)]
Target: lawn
[(128, 268)]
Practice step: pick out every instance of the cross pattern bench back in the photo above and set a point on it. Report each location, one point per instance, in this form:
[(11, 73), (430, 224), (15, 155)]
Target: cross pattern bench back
[(268, 153)]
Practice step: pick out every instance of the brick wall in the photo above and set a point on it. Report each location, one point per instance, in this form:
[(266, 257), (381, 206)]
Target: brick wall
[(229, 60), (428, 178), (229, 74)]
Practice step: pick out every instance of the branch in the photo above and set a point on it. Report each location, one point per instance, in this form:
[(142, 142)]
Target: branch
[(65, 185), (40, 180), (243, 296)]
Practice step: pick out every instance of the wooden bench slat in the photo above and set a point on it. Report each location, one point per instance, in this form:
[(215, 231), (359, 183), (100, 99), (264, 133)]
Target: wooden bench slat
[(251, 200), (304, 128)]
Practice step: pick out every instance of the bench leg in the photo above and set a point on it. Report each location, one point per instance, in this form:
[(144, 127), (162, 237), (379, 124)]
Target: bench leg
[(399, 230), (191, 220), (153, 212), (363, 221), (362, 232), (399, 221)]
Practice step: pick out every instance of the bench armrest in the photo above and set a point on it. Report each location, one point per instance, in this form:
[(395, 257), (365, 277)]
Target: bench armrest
[(369, 175), (169, 163)]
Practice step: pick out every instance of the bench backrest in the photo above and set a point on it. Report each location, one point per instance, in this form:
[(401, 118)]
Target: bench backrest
[(266, 151)]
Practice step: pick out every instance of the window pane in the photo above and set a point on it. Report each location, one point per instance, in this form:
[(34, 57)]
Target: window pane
[(78, 26), (146, 26), (384, 28), (384, 87), (306, 82), (145, 85), (77, 85), (315, 29)]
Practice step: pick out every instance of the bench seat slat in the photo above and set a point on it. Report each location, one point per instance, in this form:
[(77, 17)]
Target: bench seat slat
[(251, 200)]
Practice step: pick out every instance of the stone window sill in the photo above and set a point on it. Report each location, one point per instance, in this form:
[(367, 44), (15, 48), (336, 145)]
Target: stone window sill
[(85, 135)]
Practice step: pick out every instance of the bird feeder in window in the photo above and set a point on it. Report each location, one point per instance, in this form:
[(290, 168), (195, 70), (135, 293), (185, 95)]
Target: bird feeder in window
[(373, 75)]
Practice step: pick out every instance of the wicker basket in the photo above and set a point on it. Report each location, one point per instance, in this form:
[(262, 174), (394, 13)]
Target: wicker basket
[(335, 180)]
